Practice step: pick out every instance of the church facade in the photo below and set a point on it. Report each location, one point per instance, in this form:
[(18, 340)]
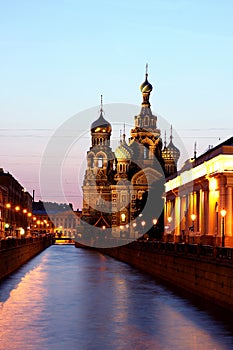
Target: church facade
[(123, 189)]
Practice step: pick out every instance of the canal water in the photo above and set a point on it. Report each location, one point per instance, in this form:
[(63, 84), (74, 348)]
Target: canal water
[(69, 298)]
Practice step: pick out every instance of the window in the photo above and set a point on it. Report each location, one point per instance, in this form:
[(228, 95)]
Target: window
[(100, 162), (145, 152), (123, 198), (91, 162), (123, 217)]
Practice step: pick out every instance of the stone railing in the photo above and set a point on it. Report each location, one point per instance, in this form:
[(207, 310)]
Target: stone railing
[(195, 250), (17, 242)]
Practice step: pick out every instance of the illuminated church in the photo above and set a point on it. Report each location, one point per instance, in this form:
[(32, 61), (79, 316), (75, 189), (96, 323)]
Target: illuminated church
[(124, 185)]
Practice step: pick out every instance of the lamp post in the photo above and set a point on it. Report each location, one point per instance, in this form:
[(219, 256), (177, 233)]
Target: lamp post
[(143, 223), (169, 228), (134, 229), (223, 214), (193, 218), (154, 227)]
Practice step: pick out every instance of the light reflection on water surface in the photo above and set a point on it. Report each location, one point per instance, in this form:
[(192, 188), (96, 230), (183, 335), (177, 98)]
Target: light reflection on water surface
[(68, 298)]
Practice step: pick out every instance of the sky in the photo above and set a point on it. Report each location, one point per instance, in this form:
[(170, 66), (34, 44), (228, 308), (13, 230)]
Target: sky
[(58, 57)]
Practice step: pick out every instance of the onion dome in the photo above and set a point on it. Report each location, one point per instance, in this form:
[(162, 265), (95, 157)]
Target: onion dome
[(166, 154), (146, 86), (101, 125), (173, 150), (146, 89), (123, 151)]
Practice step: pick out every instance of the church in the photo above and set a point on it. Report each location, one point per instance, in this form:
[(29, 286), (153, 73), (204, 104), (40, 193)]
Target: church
[(123, 189)]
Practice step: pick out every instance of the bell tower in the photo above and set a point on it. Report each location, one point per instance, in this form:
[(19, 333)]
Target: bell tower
[(145, 130), (97, 178)]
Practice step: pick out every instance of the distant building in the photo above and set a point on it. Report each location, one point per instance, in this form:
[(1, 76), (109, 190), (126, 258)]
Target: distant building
[(199, 200), (3, 199), (55, 218), (116, 184), (16, 207)]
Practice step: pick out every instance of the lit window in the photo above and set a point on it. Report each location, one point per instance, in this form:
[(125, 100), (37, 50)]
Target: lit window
[(123, 217)]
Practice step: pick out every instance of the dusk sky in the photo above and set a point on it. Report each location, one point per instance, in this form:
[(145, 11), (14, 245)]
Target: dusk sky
[(58, 57)]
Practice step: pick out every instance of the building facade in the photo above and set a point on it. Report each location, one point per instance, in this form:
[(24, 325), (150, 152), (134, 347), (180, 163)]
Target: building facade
[(199, 200), (121, 186), (16, 207), (54, 218)]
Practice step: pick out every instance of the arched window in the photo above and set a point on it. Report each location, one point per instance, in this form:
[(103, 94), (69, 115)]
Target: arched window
[(145, 152), (91, 161), (123, 217), (100, 162)]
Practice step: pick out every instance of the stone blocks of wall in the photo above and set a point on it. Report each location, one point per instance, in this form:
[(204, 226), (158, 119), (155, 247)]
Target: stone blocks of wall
[(207, 278), (11, 259)]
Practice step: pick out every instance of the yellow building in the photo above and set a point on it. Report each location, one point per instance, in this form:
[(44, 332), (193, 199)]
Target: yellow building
[(199, 201)]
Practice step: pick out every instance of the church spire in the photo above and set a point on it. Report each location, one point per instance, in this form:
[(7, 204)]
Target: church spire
[(101, 105), (171, 137), (146, 89), (124, 133), (165, 139), (146, 75)]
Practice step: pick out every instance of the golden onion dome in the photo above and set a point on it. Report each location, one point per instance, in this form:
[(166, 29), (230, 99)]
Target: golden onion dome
[(123, 151), (174, 151), (101, 125), (146, 87), (166, 154)]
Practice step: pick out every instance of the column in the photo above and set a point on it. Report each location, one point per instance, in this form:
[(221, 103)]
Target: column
[(177, 215), (228, 218), (222, 202), (206, 213), (200, 214)]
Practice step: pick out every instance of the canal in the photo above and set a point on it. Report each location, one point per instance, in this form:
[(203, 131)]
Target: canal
[(69, 298)]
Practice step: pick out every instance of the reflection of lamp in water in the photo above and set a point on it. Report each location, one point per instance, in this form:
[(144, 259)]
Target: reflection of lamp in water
[(169, 219), (223, 214)]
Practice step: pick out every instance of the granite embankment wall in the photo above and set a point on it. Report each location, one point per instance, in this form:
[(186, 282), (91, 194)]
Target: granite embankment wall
[(202, 270), (15, 253)]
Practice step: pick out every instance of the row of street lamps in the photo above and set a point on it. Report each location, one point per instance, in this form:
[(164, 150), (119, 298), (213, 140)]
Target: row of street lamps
[(223, 213), (8, 224)]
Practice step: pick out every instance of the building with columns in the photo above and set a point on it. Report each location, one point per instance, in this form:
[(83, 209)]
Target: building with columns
[(199, 201), (117, 185)]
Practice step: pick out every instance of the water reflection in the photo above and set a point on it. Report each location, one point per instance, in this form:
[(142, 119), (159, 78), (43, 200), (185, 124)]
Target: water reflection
[(67, 298)]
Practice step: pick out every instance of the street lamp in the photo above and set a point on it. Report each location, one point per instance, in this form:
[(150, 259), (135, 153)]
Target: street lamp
[(193, 218), (223, 214), (134, 229)]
